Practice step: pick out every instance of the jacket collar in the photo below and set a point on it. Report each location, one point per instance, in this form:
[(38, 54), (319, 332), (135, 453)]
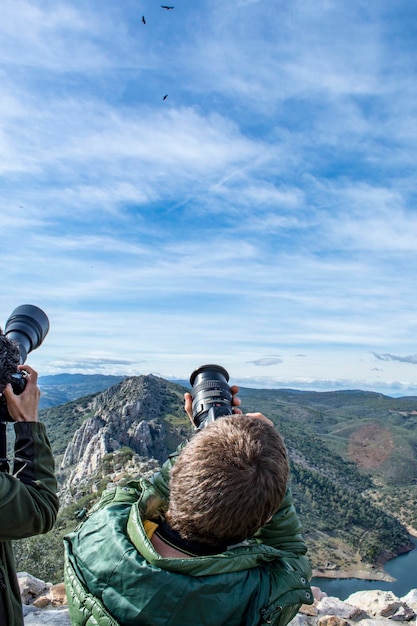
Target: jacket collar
[(243, 556)]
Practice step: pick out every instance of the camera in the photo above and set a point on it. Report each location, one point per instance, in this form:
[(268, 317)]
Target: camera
[(212, 397), (27, 327)]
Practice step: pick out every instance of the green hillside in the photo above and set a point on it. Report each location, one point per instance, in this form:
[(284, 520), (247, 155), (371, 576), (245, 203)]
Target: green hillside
[(375, 432), (376, 437)]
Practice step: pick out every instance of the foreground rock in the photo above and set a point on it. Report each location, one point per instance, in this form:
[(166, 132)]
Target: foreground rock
[(45, 604), (363, 608)]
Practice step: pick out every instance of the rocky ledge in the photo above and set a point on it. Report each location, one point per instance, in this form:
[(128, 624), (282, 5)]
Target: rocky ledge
[(362, 608), (45, 604)]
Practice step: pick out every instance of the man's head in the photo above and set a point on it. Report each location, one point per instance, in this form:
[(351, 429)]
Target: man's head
[(228, 481), (9, 360)]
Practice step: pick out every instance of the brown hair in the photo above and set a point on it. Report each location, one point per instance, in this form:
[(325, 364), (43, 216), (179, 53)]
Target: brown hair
[(228, 481)]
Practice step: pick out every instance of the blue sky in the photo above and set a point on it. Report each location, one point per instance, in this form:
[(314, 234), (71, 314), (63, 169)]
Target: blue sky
[(261, 216)]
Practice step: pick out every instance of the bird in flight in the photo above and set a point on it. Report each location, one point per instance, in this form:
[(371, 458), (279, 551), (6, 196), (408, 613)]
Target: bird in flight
[(143, 19), (165, 97), (164, 6)]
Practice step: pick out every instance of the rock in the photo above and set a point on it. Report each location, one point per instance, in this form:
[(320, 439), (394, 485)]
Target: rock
[(28, 608), (333, 606), (318, 594), (303, 620), (41, 602), (308, 609), (30, 587), (403, 614), (332, 620), (373, 621), (58, 595), (363, 608), (382, 603), (129, 415), (52, 617), (411, 599)]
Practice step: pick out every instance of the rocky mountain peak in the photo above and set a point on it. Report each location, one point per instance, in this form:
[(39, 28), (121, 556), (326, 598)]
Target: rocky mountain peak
[(129, 414)]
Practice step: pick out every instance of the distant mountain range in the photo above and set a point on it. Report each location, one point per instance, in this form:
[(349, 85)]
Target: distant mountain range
[(62, 388), (353, 456)]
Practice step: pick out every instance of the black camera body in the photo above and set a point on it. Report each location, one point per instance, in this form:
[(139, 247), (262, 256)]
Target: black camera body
[(18, 384), (212, 397), (27, 327)]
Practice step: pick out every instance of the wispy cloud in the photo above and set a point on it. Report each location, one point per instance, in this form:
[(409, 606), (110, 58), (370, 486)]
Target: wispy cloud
[(266, 361), (266, 207), (411, 358), (92, 365)]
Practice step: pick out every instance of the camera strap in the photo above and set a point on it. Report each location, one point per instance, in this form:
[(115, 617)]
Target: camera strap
[(4, 461)]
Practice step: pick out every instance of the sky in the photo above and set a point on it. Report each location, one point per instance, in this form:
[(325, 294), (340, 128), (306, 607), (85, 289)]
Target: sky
[(227, 181)]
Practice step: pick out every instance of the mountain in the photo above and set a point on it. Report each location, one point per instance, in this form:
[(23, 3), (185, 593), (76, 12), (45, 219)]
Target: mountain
[(352, 455), (62, 388), (143, 414), (376, 432)]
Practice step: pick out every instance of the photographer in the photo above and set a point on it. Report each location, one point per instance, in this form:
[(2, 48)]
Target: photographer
[(28, 495), (213, 539)]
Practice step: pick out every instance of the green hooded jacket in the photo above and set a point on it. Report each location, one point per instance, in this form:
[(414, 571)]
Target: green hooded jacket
[(28, 506), (114, 576)]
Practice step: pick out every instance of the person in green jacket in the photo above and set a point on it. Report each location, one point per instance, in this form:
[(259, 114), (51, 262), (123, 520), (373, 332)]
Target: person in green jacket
[(28, 496), (213, 539)]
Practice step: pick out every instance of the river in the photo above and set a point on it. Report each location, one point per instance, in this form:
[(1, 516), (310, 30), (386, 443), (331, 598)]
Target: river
[(403, 568)]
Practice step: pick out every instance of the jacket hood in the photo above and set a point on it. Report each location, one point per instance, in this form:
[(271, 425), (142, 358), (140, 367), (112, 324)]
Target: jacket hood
[(243, 556)]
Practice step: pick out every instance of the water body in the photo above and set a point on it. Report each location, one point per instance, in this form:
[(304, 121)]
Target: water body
[(403, 568)]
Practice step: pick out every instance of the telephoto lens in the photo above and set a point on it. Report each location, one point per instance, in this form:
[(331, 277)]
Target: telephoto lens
[(27, 327), (212, 397)]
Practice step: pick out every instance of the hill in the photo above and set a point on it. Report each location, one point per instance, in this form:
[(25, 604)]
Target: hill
[(354, 495), (376, 432)]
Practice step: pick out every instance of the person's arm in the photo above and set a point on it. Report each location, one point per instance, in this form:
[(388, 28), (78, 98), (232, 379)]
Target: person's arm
[(283, 531), (28, 496), (161, 479)]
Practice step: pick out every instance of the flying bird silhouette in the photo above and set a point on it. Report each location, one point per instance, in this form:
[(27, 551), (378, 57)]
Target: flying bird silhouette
[(164, 6), (165, 97), (143, 19)]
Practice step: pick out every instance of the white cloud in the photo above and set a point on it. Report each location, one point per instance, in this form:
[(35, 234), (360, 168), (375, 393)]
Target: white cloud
[(41, 35), (266, 361), (411, 358), (266, 207)]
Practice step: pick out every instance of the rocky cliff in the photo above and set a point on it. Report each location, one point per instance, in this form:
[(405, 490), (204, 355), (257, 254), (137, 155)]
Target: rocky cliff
[(132, 414)]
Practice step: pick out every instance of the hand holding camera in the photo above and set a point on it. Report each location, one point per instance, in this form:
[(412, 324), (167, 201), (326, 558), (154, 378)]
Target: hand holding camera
[(23, 407), (211, 397)]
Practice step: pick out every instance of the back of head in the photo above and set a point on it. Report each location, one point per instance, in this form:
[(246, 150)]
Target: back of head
[(228, 481)]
